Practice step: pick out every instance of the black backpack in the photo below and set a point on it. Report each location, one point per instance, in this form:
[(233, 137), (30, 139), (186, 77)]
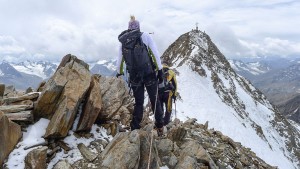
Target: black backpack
[(135, 53), (167, 86)]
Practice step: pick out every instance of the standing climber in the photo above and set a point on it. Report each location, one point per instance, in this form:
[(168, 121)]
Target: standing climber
[(167, 92), (143, 64)]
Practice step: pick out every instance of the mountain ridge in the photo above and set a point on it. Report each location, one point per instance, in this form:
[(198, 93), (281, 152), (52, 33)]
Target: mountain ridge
[(195, 54)]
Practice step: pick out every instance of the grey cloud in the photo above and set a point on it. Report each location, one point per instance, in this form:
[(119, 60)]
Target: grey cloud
[(50, 29)]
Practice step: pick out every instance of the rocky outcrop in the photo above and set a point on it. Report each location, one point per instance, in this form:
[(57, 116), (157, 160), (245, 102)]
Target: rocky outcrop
[(186, 145), (62, 96), (10, 134), (115, 99), (92, 105), (28, 96), (122, 152), (36, 159), (63, 165), (86, 153), (2, 89)]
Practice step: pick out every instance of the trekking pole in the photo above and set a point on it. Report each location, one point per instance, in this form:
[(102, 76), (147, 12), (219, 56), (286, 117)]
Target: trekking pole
[(175, 109), (151, 140)]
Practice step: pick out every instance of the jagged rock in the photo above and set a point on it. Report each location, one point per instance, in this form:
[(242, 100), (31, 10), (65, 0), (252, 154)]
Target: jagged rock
[(86, 153), (172, 161), (29, 90), (10, 91), (145, 152), (186, 162), (36, 159), (24, 102), (115, 99), (10, 134), (41, 86), (2, 89), (177, 134), (28, 96), (62, 96), (92, 105), (206, 125), (123, 151), (63, 164), (194, 149), (24, 116), (189, 122), (164, 147), (245, 160), (15, 108), (112, 127)]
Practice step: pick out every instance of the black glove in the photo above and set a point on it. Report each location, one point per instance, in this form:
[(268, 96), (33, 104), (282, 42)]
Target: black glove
[(174, 97), (119, 74), (160, 76)]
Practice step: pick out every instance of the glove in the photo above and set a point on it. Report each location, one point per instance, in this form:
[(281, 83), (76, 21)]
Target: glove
[(174, 97), (119, 74), (160, 76)]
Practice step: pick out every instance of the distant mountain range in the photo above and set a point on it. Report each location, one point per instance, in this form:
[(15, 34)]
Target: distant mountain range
[(277, 78), (30, 73)]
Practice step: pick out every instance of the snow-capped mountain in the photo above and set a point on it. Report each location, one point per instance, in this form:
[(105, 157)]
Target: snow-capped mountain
[(211, 91), (10, 76), (249, 68), (30, 73), (104, 67), (8, 71), (42, 69), (280, 82), (25, 74)]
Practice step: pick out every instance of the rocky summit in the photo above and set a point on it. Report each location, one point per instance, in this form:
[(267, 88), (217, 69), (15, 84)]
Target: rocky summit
[(212, 91)]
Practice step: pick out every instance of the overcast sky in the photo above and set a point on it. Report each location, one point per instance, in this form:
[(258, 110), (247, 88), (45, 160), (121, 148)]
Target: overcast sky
[(48, 30)]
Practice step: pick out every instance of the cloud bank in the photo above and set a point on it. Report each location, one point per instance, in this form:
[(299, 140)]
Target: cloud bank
[(48, 30)]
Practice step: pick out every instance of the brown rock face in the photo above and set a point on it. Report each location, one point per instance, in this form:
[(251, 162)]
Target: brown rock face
[(63, 165), (92, 105), (10, 134), (36, 159), (115, 99), (122, 152), (2, 89), (62, 95)]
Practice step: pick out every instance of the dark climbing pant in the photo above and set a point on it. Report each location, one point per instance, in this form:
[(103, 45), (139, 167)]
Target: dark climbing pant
[(138, 93), (166, 99)]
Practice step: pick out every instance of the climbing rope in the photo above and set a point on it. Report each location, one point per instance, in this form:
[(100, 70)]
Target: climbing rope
[(153, 122)]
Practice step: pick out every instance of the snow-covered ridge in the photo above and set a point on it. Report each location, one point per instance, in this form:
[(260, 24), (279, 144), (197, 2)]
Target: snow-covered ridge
[(41, 69), (212, 91)]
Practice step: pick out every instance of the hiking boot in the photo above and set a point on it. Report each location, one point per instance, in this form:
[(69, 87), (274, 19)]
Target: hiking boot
[(160, 132)]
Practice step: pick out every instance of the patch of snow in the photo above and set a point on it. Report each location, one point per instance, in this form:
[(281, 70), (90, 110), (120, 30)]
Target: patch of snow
[(32, 136), (101, 62), (72, 141), (111, 66)]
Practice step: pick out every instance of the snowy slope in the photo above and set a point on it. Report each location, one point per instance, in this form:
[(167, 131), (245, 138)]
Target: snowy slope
[(212, 91)]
